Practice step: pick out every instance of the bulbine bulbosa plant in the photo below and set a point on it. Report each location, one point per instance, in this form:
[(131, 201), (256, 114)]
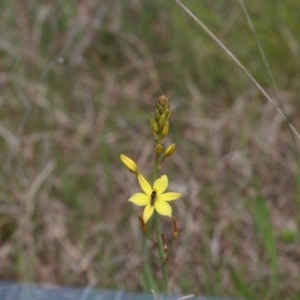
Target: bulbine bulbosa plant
[(154, 198)]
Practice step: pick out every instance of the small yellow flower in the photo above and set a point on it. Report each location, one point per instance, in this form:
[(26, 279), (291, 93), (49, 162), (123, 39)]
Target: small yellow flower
[(129, 164), (154, 198)]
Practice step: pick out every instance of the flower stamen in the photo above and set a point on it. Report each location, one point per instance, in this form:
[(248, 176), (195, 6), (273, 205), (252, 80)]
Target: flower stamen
[(153, 197)]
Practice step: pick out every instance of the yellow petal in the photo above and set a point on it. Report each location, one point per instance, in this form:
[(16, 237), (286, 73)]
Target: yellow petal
[(169, 196), (144, 184), (148, 211), (129, 163), (139, 199), (161, 184), (163, 208)]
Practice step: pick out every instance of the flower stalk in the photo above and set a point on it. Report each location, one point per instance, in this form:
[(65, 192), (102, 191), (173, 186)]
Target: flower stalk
[(160, 246), (162, 255), (154, 198)]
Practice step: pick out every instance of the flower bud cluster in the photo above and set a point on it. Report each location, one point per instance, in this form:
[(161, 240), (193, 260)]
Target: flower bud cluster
[(160, 124)]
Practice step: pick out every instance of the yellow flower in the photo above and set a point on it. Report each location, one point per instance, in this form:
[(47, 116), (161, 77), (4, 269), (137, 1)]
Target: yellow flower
[(154, 198), (129, 164)]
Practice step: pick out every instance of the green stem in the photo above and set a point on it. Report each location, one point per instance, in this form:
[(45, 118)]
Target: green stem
[(162, 255), (155, 171), (160, 246)]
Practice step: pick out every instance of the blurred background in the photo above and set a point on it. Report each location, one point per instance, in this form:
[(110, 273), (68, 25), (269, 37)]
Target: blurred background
[(79, 81)]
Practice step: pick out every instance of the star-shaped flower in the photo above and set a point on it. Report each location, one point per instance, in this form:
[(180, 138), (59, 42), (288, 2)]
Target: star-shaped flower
[(154, 198)]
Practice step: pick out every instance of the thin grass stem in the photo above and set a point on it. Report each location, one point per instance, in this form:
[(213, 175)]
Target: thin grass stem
[(233, 57)]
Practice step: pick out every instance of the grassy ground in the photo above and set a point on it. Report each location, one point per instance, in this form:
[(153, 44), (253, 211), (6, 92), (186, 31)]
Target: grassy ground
[(79, 80)]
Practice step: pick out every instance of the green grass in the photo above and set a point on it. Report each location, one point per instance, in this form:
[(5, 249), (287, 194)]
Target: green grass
[(235, 162)]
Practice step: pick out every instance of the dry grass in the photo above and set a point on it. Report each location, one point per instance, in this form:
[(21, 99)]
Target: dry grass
[(78, 84)]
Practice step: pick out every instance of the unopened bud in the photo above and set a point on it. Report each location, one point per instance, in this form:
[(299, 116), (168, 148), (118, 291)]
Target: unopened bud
[(143, 224), (168, 114), (163, 101), (154, 125), (165, 129), (162, 121), (170, 150), (129, 164), (157, 115), (159, 149)]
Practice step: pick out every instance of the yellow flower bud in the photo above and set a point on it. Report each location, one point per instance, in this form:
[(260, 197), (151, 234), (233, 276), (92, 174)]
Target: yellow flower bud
[(168, 114), (162, 121), (159, 149), (170, 150), (129, 164), (157, 115), (154, 125), (165, 129)]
